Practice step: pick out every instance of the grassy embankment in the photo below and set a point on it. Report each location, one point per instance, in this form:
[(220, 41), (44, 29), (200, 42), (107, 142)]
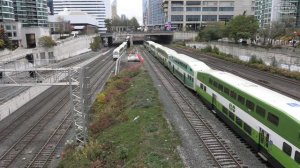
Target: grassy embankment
[(254, 62), (127, 127)]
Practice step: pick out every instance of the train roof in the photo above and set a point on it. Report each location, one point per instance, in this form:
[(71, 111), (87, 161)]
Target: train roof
[(285, 104), (196, 65)]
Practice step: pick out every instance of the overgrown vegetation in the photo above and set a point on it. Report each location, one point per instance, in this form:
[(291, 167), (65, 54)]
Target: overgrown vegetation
[(96, 44), (254, 62), (46, 41), (127, 127)]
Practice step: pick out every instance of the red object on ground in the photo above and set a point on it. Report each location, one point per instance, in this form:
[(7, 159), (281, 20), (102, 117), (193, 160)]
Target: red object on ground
[(140, 58)]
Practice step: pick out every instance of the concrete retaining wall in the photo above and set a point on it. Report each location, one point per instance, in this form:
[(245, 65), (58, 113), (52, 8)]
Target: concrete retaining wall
[(285, 58), (179, 36)]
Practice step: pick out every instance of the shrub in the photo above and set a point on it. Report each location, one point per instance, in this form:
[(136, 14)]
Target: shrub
[(96, 44), (46, 41)]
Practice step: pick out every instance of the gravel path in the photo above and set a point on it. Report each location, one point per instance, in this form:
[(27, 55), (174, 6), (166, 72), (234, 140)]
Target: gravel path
[(192, 151)]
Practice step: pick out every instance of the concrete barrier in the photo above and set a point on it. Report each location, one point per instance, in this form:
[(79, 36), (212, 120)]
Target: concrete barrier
[(283, 58)]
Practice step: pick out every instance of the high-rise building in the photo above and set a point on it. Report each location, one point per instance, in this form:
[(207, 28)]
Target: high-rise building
[(193, 14), (31, 13), (114, 13), (24, 21), (153, 16), (50, 7), (298, 16), (100, 9), (6, 11), (269, 11)]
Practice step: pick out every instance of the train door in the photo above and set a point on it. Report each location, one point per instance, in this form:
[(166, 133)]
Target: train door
[(264, 138), (184, 78), (213, 102)]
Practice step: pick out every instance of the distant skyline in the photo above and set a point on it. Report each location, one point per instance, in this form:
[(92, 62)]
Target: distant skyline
[(130, 8)]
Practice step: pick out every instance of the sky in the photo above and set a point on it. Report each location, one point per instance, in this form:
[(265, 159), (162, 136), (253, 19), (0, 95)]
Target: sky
[(131, 8)]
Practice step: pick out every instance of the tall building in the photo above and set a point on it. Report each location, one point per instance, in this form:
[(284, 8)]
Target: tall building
[(269, 11), (31, 13), (100, 9), (298, 16), (24, 21), (193, 14), (6, 11), (153, 16), (114, 13), (50, 7)]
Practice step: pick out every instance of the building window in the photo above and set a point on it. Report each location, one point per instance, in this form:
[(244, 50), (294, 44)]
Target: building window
[(209, 9), (287, 149), (193, 8), (177, 18), (226, 9), (209, 18), (225, 17), (193, 2), (177, 3), (273, 119), (192, 17), (177, 8)]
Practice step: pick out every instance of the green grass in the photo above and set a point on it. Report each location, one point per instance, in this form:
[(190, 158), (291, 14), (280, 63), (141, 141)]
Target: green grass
[(127, 128)]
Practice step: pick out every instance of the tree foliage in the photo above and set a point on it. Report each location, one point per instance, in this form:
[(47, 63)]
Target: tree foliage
[(6, 42), (46, 41), (96, 44), (2, 44), (242, 27), (130, 23), (211, 32), (108, 24)]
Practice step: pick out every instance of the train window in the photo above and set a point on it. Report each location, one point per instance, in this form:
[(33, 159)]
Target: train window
[(231, 116), (205, 88), (297, 157), (224, 110), (233, 94), (287, 148), (239, 121), (210, 81), (273, 119), (241, 99), (220, 87), (226, 90), (247, 128), (260, 111), (215, 84), (201, 86), (250, 105)]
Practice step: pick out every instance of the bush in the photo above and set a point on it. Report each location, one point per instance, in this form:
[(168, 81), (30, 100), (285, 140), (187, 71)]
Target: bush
[(96, 44), (46, 41), (2, 44)]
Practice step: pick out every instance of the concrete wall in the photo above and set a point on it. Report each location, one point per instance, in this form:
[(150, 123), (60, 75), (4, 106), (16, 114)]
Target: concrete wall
[(287, 58), (179, 36), (65, 49)]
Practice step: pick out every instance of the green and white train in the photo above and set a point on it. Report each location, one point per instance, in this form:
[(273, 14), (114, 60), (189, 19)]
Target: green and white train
[(267, 120)]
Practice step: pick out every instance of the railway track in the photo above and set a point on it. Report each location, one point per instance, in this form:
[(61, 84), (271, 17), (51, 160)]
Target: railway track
[(18, 122), (215, 145), (43, 156), (284, 85), (11, 154)]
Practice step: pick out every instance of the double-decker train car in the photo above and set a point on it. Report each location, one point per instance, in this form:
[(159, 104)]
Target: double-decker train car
[(267, 120), (119, 51), (185, 69)]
